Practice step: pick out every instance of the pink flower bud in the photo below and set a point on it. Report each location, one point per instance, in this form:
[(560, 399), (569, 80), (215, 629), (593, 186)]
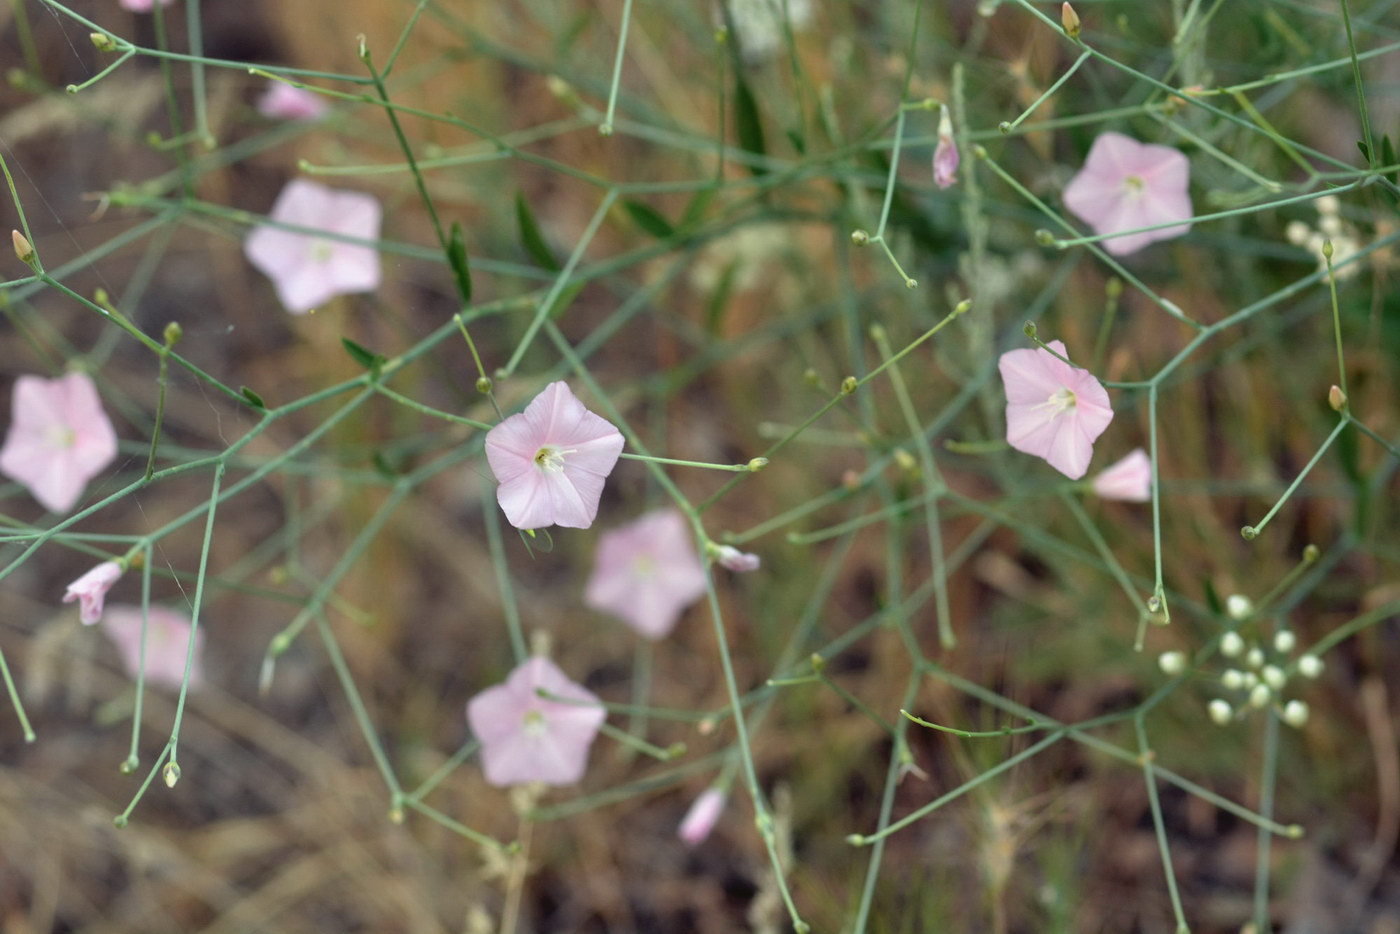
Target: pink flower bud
[(735, 560), (702, 817), (945, 156), (91, 589)]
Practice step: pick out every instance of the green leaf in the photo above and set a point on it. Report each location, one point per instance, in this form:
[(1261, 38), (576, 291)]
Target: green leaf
[(695, 210), (366, 358), (798, 143), (1365, 150), (255, 400), (457, 259), (382, 465), (747, 122), (530, 237), (647, 218)]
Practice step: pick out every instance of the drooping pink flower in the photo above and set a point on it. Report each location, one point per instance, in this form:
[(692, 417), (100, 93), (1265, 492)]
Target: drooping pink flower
[(1053, 410), (945, 154), (1130, 479), (1125, 185), (735, 560), (551, 461), (308, 269), (528, 738), (167, 643), (647, 573), (281, 101), (59, 438), (141, 6), (701, 818), (91, 589)]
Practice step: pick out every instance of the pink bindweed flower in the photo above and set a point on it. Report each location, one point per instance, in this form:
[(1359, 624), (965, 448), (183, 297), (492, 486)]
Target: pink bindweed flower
[(1053, 410), (945, 155), (91, 589), (551, 461), (167, 643), (59, 438), (141, 6), (701, 818), (647, 573), (1129, 480), (1125, 185), (735, 560), (528, 738), (306, 269), (281, 101)]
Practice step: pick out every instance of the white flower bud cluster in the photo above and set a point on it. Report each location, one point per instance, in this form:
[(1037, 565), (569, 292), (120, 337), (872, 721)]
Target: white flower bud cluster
[(1344, 238), (1260, 673)]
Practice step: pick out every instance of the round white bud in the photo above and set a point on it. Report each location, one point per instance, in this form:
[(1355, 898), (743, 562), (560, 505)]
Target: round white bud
[(1295, 713), (1220, 711), (1285, 641), (1232, 679), (1250, 680), (1274, 676), (1172, 663), (1254, 658), (1310, 666), (1231, 644), (1259, 696), (1238, 606)]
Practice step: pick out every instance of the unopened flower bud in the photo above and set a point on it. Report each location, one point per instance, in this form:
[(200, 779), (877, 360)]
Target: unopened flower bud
[(23, 248), (1232, 679), (1238, 606), (905, 460), (171, 774), (1309, 666), (1259, 696), (849, 385), (1254, 657), (1285, 641), (1172, 663), (1274, 677), (1336, 398), (1295, 713), (102, 42), (860, 237), (1231, 644), (756, 464), (1070, 20), (1220, 711), (173, 333), (483, 384)]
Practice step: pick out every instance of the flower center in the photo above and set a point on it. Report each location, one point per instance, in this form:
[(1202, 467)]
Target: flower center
[(534, 723), (644, 565), (60, 436), (321, 251), (550, 458), (1061, 401), (1134, 184)]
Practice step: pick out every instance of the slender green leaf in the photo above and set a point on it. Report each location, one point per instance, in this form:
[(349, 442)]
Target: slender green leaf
[(530, 237), (457, 259), (255, 400), (366, 358), (747, 123), (647, 218)]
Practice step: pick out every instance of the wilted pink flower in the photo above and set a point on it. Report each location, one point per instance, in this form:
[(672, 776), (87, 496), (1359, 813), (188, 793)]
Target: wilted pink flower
[(647, 573), (141, 6), (307, 269), (1053, 410), (1130, 479), (527, 738), (1125, 185), (91, 589), (945, 155), (702, 817), (59, 438), (167, 643), (735, 560), (551, 461), (281, 101)]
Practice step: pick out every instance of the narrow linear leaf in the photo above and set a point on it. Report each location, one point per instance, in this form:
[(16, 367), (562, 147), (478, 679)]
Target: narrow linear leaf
[(366, 358), (255, 400), (647, 218), (457, 259), (695, 210), (530, 237), (747, 123)]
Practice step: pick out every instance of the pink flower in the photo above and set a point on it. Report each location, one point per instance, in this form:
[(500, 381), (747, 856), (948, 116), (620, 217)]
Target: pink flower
[(551, 461), (735, 560), (141, 6), (702, 817), (306, 269), (1053, 410), (59, 438), (91, 589), (945, 155), (527, 738), (167, 643), (1130, 479), (1125, 185), (281, 101), (647, 573)]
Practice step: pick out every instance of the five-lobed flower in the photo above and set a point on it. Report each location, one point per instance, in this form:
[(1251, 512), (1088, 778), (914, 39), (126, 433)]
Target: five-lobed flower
[(1125, 185), (529, 738), (167, 640), (551, 461), (1053, 410), (59, 438), (307, 268), (647, 572), (1129, 479)]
